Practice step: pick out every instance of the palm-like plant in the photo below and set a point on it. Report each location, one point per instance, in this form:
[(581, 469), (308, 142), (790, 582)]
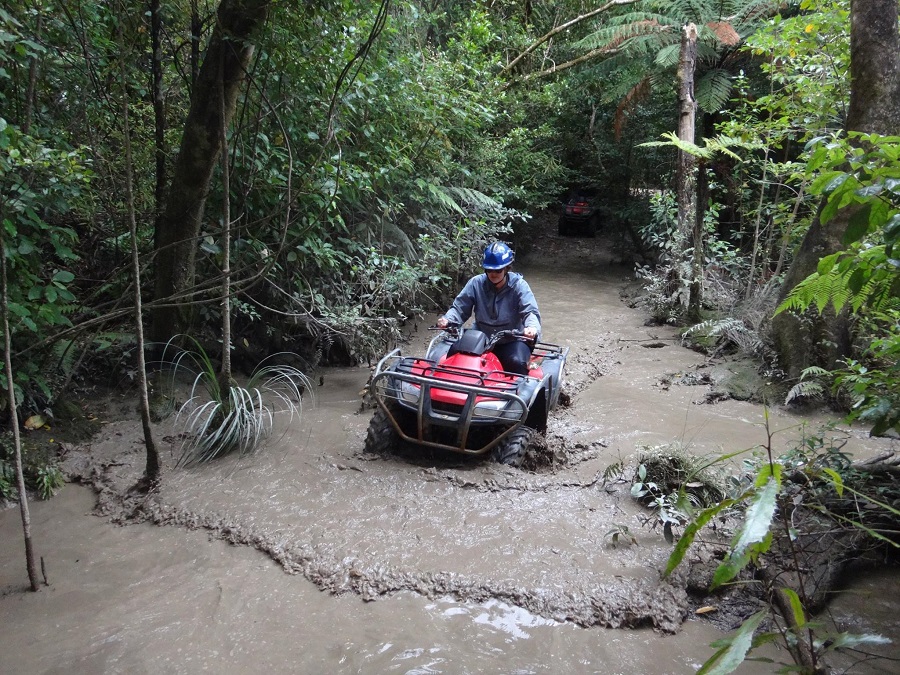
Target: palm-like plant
[(221, 418)]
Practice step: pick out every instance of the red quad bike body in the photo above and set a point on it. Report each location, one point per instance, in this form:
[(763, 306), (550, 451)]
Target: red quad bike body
[(458, 397)]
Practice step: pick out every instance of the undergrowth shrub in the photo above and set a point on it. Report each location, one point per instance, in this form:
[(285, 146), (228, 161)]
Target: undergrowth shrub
[(40, 469)]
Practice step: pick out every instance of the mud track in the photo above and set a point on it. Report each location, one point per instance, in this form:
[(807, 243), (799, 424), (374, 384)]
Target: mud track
[(449, 526)]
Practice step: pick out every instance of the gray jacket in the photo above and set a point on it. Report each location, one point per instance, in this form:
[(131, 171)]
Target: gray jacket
[(512, 308)]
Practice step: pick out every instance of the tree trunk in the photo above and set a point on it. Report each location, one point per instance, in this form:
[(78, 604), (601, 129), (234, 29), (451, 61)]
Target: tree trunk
[(695, 296), (226, 60), (32, 79), (152, 468), (686, 171), (874, 108), (14, 421), (159, 111)]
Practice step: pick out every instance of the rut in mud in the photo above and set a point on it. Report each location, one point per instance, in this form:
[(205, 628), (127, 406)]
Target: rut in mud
[(453, 526)]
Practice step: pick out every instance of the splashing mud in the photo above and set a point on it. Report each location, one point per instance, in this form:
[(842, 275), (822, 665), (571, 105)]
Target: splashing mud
[(489, 553)]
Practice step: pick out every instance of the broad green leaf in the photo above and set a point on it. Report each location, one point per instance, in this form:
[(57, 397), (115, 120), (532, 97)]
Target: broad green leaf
[(826, 178), (857, 280), (871, 190), (796, 607), (727, 660), (849, 640), (768, 471), (826, 263), (758, 517), (690, 532), (858, 225), (729, 569), (836, 480), (63, 276)]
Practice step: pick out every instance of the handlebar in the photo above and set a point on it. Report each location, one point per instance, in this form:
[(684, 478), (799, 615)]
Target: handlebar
[(455, 331)]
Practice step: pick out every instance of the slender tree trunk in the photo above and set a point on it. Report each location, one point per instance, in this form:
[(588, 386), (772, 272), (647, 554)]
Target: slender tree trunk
[(14, 420), (159, 110), (696, 289), (151, 470), (226, 60), (686, 171), (225, 378), (32, 80), (874, 108)]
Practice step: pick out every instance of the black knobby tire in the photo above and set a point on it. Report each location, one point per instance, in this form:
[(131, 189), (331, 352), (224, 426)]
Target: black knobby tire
[(562, 227), (512, 449), (381, 437)]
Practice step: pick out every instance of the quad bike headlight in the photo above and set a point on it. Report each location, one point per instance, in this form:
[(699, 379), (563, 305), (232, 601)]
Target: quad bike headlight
[(496, 409), (409, 392)]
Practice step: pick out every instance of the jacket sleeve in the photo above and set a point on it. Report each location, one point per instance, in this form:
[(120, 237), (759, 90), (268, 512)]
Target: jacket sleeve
[(462, 306), (529, 313)]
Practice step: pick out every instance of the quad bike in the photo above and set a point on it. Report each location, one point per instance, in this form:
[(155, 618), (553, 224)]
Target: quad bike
[(458, 397)]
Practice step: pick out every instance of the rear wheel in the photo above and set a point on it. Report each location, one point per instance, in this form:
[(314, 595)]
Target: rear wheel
[(381, 438), (562, 228), (512, 449)]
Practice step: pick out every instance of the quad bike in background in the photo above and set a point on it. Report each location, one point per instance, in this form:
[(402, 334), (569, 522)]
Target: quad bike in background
[(458, 397), (579, 214)]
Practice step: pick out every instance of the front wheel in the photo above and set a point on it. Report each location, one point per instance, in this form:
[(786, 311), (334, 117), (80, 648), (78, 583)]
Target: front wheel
[(512, 449), (381, 438)]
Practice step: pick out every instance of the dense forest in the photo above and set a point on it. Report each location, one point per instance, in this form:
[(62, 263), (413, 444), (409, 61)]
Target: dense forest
[(243, 178), (332, 168)]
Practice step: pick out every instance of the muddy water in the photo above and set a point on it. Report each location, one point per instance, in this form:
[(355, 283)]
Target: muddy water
[(347, 563)]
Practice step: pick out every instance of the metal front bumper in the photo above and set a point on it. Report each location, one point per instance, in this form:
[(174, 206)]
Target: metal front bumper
[(401, 393)]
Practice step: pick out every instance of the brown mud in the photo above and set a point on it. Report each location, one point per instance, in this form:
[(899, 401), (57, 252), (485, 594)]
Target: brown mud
[(435, 539)]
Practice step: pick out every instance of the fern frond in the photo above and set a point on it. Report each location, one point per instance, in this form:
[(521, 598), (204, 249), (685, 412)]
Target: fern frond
[(713, 90), (729, 330), (805, 389), (627, 30), (474, 199), (668, 56)]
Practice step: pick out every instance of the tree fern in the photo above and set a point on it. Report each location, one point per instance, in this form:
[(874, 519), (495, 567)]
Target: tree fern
[(713, 90)]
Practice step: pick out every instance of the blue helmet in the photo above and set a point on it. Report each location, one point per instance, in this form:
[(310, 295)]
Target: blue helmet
[(497, 256)]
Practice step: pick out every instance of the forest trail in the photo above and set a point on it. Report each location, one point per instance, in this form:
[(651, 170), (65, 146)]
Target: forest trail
[(475, 567)]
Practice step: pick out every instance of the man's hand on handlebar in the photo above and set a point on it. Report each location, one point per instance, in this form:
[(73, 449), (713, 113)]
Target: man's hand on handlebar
[(442, 322), (530, 332)]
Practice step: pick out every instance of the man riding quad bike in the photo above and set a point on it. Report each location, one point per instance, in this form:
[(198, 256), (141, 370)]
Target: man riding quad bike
[(458, 397)]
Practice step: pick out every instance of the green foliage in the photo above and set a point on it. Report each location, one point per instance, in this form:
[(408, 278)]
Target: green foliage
[(768, 502), (807, 60), (711, 147), (621, 532), (674, 483), (7, 480), (810, 385), (861, 173), (650, 35), (733, 650), (38, 185), (48, 480), (873, 381), (729, 331), (40, 470)]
